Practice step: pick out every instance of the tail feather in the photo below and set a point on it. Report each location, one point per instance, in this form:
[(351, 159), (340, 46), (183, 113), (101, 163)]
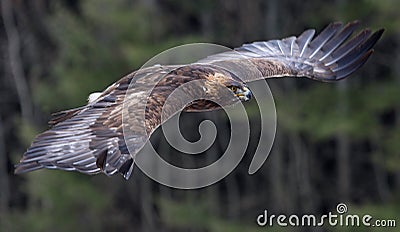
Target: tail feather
[(78, 142)]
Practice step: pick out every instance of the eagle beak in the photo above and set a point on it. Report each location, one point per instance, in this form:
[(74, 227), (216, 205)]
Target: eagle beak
[(244, 94)]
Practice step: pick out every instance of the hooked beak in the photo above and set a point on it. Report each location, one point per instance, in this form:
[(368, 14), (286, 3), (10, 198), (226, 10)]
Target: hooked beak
[(244, 94)]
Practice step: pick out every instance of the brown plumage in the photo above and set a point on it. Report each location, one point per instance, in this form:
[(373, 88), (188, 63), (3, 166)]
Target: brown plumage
[(90, 139)]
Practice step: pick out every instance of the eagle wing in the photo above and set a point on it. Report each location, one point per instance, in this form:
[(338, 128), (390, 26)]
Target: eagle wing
[(90, 139), (330, 56)]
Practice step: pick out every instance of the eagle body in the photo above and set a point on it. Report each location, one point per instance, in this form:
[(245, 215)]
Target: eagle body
[(90, 139)]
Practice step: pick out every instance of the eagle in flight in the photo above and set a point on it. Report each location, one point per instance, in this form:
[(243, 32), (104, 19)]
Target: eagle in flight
[(90, 139)]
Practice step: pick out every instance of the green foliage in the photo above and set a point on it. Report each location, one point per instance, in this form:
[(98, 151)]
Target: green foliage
[(96, 49), (61, 202), (361, 114), (188, 214), (195, 214), (26, 131), (109, 39), (323, 111)]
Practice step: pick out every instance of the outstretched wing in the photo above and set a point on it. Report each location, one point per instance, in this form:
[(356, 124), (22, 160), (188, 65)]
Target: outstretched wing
[(90, 139), (330, 56)]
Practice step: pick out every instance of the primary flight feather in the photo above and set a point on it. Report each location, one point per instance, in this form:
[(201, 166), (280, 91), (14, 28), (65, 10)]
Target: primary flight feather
[(90, 139)]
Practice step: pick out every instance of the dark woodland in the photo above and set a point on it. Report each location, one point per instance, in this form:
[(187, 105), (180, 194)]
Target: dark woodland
[(335, 142)]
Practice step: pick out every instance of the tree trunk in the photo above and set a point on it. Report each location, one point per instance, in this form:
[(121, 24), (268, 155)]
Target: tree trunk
[(4, 181), (15, 62)]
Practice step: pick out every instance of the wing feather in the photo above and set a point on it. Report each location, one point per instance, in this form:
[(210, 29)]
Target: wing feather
[(358, 52), (90, 139), (318, 42), (335, 42), (329, 56), (304, 39), (349, 46)]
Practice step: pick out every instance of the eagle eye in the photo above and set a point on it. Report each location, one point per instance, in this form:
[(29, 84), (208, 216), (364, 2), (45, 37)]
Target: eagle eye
[(233, 88)]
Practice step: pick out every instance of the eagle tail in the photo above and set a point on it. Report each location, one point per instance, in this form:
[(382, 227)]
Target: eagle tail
[(77, 142)]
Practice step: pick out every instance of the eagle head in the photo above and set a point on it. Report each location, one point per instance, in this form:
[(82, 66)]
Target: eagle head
[(238, 88)]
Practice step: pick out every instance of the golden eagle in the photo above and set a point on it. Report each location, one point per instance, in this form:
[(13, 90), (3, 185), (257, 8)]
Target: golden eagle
[(90, 139)]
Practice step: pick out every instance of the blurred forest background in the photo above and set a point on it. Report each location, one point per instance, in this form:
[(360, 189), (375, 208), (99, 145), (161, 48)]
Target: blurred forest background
[(335, 142)]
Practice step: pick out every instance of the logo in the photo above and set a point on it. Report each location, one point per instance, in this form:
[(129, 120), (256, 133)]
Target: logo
[(153, 165), (338, 218)]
